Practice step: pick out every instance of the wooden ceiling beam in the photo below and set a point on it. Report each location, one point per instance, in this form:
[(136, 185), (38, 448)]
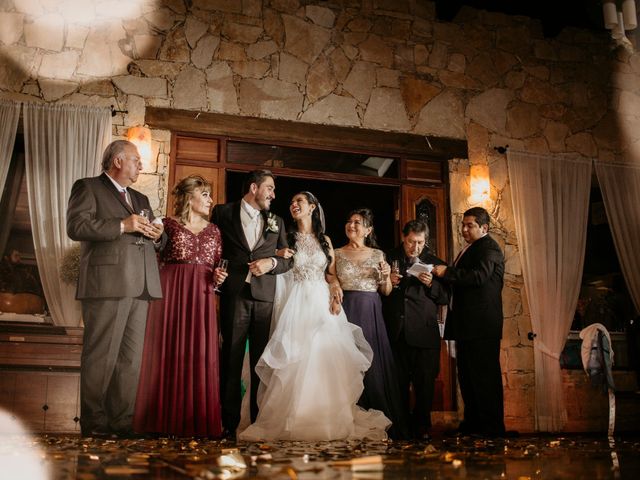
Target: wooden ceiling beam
[(288, 132)]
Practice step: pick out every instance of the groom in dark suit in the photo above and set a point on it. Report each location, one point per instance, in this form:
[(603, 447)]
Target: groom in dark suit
[(475, 322), (251, 234), (118, 276)]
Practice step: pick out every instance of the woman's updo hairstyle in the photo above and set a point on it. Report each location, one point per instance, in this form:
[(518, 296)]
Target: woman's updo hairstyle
[(183, 192)]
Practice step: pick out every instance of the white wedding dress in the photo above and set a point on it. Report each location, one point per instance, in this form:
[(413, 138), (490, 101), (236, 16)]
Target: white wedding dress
[(312, 368)]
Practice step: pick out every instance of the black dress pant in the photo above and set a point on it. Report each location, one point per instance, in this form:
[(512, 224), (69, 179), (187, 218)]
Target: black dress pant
[(242, 317), (419, 367), (480, 380)]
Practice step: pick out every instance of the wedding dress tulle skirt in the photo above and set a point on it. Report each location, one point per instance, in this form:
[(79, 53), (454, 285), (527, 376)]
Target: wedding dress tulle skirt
[(311, 374)]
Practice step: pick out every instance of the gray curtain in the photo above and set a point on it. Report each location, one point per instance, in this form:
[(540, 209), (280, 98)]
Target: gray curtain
[(550, 197), (620, 187), (62, 144)]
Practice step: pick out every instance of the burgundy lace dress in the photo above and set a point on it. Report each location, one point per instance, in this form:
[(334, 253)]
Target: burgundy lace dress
[(179, 393)]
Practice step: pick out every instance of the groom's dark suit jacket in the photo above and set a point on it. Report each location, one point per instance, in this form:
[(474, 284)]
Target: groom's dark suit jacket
[(239, 254)]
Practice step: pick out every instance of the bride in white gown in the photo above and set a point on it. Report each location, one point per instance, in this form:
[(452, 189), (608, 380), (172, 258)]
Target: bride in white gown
[(312, 368)]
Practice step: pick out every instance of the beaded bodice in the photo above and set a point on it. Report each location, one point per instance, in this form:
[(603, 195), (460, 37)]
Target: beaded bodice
[(309, 262), (184, 246), (359, 276)]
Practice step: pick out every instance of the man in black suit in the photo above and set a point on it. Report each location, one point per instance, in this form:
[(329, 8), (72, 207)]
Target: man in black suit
[(251, 234), (117, 278), (475, 321), (411, 314)]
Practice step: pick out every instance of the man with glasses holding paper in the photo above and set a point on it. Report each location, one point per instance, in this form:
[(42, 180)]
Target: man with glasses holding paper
[(411, 314)]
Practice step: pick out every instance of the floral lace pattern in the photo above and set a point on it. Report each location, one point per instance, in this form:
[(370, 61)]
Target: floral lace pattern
[(309, 262), (359, 276), (184, 246)]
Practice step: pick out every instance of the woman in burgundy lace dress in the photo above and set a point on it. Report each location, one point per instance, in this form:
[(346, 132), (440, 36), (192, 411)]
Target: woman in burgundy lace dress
[(178, 393)]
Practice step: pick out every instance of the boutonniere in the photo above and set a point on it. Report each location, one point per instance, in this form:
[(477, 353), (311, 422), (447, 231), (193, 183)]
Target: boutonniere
[(271, 223)]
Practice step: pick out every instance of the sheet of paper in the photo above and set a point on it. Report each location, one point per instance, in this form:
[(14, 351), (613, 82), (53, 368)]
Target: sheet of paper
[(417, 268)]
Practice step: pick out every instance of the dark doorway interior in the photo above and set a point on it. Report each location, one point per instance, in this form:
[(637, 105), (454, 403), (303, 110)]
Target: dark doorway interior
[(337, 199)]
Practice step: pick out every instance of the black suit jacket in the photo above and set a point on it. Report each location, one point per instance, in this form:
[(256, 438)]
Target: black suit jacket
[(476, 283), (236, 250), (412, 308)]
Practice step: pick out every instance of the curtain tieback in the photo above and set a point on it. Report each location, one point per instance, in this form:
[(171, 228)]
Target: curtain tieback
[(538, 345)]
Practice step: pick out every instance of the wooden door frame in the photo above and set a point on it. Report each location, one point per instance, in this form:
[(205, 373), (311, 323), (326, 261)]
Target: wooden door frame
[(404, 145), (414, 152)]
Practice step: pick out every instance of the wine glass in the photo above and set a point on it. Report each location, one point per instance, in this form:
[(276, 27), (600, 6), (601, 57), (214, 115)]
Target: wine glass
[(144, 213), (395, 268), (222, 265)]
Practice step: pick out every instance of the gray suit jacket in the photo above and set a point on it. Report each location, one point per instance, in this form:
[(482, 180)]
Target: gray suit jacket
[(111, 264)]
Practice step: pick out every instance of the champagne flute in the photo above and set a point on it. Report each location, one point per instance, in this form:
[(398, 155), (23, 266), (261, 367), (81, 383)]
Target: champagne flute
[(379, 275), (395, 268), (222, 265), (144, 213)]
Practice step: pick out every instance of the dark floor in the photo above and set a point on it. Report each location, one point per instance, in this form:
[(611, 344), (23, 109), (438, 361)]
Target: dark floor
[(521, 458)]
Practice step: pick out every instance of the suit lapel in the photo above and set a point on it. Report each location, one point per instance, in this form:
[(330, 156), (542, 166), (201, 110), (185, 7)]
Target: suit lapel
[(134, 202), (114, 191), (263, 234), (470, 253), (237, 226)]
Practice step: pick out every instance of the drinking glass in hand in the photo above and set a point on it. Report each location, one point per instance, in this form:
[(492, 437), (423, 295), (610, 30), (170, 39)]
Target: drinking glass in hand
[(395, 268), (222, 265), (144, 213), (381, 279)]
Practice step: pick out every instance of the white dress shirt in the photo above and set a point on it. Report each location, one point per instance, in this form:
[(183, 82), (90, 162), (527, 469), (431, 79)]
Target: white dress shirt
[(252, 223)]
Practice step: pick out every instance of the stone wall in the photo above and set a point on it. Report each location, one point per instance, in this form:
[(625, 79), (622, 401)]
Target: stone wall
[(381, 64)]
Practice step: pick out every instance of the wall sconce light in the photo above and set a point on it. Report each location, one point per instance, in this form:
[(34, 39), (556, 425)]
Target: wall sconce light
[(141, 138), (479, 185), (619, 21)]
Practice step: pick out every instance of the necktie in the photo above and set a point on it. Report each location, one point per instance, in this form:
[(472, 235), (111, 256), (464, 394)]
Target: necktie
[(123, 195)]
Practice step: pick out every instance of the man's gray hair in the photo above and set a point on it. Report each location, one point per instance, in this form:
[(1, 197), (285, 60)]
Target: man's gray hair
[(114, 149)]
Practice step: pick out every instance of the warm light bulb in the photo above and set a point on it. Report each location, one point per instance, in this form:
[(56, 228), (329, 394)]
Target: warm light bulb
[(141, 138), (480, 186)]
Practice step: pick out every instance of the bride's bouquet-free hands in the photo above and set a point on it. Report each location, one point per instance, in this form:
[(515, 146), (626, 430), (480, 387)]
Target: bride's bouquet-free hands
[(335, 297), (334, 305)]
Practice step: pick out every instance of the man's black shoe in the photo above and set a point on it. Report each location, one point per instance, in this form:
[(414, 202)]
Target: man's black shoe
[(99, 433), (228, 435), (126, 433)]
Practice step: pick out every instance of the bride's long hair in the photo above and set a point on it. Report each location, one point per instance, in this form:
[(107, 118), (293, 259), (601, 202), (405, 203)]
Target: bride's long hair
[(317, 227)]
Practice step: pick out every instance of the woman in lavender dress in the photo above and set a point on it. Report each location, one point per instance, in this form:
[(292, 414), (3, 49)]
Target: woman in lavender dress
[(363, 272)]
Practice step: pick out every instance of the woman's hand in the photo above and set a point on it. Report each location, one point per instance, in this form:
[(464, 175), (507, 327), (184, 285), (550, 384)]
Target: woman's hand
[(219, 276), (285, 252), (336, 292), (385, 269), (334, 306)]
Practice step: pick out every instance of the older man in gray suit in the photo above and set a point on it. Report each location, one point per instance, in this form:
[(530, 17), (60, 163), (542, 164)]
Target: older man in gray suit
[(118, 276)]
